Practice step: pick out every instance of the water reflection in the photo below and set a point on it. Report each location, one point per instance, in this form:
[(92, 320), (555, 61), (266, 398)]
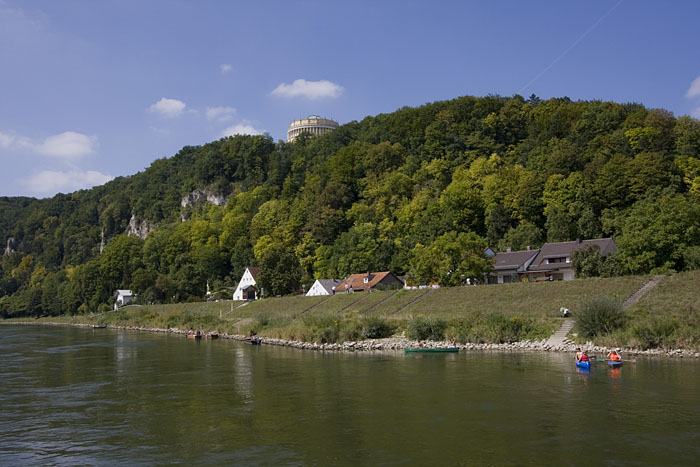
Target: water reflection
[(243, 372), (136, 398)]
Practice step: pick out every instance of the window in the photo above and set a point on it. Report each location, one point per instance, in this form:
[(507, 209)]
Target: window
[(563, 259)]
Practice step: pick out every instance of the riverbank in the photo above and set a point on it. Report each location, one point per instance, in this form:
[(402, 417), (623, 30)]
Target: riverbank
[(505, 315), (395, 343)]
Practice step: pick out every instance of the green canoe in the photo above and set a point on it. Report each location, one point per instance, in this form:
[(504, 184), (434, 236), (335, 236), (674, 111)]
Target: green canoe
[(426, 350)]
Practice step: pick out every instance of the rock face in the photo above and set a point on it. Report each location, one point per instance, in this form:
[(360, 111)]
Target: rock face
[(139, 228), (199, 197), (8, 248)]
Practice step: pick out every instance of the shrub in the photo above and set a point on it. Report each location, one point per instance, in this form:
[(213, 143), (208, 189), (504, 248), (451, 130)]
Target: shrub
[(426, 329), (599, 315), (376, 328), (323, 328), (501, 329), (653, 333)]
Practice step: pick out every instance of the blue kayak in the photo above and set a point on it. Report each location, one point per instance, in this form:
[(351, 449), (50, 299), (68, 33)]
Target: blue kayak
[(615, 363), (584, 365)]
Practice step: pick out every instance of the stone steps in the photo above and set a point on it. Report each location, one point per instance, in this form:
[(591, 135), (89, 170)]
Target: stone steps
[(643, 290), (558, 337)]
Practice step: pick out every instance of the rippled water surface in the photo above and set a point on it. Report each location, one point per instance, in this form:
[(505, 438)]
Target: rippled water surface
[(100, 397)]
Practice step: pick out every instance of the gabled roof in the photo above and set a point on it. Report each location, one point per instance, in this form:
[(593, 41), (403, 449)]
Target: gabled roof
[(564, 249), (357, 281), (328, 284), (254, 271), (516, 260)]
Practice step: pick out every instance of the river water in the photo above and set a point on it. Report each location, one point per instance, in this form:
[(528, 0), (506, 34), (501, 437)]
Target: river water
[(73, 396)]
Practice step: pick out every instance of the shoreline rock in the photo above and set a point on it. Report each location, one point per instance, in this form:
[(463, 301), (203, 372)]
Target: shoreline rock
[(399, 343)]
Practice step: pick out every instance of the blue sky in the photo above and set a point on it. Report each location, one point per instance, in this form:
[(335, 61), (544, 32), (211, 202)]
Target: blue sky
[(90, 90)]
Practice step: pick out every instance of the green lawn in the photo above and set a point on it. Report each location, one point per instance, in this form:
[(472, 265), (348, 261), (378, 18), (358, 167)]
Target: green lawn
[(483, 313)]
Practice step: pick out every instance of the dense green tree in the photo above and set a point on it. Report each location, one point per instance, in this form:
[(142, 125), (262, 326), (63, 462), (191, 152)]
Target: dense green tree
[(451, 260)]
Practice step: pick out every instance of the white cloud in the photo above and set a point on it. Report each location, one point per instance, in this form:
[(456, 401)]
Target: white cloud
[(308, 89), (694, 90), (225, 68), (169, 108), (49, 182), (68, 145), (241, 129), (220, 114), (6, 140)]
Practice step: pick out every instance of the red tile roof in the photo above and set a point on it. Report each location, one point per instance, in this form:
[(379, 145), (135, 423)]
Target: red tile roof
[(357, 281)]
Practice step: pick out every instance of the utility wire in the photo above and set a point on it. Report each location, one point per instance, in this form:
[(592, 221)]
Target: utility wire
[(568, 49)]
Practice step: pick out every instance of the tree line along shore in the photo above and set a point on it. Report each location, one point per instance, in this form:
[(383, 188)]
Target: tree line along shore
[(666, 319)]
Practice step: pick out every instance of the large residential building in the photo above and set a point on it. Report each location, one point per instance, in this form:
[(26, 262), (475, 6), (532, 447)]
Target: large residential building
[(551, 262), (313, 124)]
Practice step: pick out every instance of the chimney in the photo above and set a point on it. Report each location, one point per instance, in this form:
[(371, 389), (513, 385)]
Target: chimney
[(528, 248), (509, 249), (578, 241)]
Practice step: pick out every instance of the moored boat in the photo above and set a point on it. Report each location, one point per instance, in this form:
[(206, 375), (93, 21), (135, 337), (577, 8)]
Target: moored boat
[(194, 335), (431, 350)]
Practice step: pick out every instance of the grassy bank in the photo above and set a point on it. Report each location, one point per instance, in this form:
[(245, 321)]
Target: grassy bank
[(666, 317)]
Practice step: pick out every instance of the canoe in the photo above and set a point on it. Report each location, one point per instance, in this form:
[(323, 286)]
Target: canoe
[(615, 363), (436, 350), (254, 341), (584, 365)]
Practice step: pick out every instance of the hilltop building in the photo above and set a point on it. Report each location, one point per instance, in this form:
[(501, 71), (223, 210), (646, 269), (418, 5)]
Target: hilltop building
[(313, 124)]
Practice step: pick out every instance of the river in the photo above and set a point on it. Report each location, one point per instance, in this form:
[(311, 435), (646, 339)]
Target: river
[(75, 396)]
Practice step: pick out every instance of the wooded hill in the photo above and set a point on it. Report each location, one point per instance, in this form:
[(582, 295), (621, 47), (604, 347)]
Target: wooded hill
[(421, 191)]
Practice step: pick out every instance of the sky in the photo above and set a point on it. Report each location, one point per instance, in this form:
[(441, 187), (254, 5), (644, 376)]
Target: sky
[(91, 90)]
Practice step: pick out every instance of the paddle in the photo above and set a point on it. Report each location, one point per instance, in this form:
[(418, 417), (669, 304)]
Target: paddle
[(624, 360)]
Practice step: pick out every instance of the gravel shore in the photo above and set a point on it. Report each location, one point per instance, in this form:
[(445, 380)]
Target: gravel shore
[(399, 343)]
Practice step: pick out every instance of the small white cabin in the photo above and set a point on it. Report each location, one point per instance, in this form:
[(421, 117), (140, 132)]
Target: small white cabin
[(323, 287), (246, 287), (123, 297)]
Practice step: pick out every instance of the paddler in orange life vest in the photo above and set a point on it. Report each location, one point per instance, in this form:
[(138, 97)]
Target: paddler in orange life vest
[(615, 356)]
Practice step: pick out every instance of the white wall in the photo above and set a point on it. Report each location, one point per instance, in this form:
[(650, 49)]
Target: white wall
[(316, 289), (246, 281)]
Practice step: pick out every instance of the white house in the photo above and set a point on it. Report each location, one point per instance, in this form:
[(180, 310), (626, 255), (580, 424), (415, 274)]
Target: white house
[(323, 287), (246, 286), (123, 297)]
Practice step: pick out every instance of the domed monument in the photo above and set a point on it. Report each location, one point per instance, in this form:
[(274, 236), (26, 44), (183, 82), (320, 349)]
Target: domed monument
[(313, 124)]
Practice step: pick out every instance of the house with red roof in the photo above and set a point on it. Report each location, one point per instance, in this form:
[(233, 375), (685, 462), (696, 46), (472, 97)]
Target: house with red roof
[(369, 281)]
